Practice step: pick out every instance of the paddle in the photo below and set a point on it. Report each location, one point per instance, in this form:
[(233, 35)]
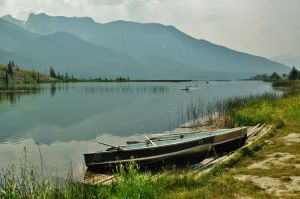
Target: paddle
[(110, 145), (146, 141)]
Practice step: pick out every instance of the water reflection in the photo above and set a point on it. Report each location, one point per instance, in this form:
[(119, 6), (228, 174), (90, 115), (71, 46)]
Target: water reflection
[(81, 111), (11, 97), (57, 157), (87, 89), (126, 89), (14, 97), (52, 90), (108, 88)]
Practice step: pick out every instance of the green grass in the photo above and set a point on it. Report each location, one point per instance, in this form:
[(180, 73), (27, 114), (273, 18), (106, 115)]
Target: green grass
[(27, 182)]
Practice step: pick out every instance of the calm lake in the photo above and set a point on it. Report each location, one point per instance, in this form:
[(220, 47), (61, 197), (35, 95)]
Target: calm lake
[(67, 119)]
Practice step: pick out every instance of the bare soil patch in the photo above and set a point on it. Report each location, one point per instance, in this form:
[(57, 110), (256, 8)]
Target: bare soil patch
[(273, 185), (292, 138), (277, 159)]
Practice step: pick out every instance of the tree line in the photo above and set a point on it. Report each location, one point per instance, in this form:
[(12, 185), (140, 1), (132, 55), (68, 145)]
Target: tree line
[(10, 76), (66, 78), (60, 76), (294, 74)]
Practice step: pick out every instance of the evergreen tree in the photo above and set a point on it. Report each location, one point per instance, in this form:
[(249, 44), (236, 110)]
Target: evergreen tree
[(293, 74), (6, 77), (33, 75), (38, 78), (66, 76), (52, 72), (275, 76), (10, 67)]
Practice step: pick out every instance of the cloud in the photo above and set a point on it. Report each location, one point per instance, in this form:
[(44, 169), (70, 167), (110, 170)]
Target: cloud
[(2, 2), (106, 2), (268, 27)]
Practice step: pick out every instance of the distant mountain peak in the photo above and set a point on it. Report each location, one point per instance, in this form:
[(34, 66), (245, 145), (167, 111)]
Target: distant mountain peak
[(13, 20), (7, 16), (43, 16)]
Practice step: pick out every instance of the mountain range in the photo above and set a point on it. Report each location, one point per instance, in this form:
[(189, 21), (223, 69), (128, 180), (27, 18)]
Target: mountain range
[(85, 48), (289, 60)]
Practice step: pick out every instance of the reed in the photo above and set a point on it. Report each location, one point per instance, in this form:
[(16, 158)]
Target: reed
[(289, 87), (27, 181), (222, 112)]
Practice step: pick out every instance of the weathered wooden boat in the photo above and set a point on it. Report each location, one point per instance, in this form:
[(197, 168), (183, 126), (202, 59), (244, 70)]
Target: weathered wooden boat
[(167, 149), (152, 154)]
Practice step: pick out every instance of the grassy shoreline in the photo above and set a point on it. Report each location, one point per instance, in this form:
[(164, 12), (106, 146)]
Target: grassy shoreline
[(220, 182), (255, 171)]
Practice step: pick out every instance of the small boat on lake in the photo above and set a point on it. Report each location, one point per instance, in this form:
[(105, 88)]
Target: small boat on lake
[(186, 88), (167, 149)]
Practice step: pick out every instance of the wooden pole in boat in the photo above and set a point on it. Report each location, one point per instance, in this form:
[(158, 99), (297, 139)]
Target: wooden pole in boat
[(145, 141), (150, 140), (110, 145), (134, 142)]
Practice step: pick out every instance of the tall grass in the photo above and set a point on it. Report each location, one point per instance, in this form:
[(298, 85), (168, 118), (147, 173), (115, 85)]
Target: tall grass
[(26, 182), (289, 87), (222, 112)]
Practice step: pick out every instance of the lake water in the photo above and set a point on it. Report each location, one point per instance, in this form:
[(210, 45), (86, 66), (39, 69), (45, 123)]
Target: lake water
[(67, 119)]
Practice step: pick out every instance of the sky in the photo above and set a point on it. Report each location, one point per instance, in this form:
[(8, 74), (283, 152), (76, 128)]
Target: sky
[(268, 28)]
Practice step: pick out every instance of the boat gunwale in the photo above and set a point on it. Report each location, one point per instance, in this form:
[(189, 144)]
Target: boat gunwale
[(152, 147)]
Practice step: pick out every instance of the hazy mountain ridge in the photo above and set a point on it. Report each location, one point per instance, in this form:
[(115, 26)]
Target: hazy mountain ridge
[(134, 49), (13, 20), (288, 60), (29, 63), (69, 53), (12, 35)]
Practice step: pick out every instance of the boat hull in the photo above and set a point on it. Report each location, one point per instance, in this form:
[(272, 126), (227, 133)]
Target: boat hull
[(152, 157), (229, 142)]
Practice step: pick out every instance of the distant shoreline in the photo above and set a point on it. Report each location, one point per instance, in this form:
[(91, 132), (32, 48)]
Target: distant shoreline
[(159, 80)]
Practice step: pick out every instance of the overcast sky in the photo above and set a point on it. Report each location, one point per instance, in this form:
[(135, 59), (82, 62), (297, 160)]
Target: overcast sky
[(262, 27)]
